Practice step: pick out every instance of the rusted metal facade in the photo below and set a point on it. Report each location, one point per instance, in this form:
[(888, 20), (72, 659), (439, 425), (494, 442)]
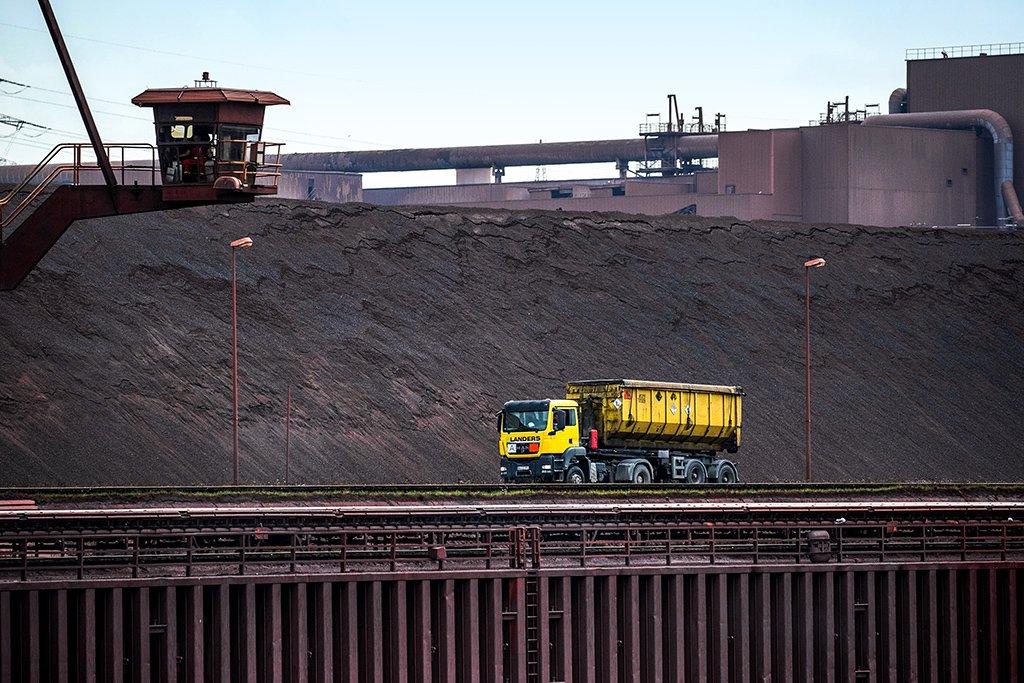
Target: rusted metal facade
[(883, 622), (594, 592)]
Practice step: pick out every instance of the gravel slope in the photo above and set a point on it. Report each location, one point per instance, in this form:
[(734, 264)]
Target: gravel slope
[(402, 331)]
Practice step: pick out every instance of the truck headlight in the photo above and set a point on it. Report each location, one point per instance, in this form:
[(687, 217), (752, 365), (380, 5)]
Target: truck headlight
[(504, 469), (546, 467)]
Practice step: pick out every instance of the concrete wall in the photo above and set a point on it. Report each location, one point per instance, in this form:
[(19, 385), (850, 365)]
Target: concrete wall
[(473, 176), (447, 194), (787, 174), (653, 187), (764, 162), (744, 162), (825, 169), (911, 176), (889, 176), (743, 207), (706, 182), (325, 186)]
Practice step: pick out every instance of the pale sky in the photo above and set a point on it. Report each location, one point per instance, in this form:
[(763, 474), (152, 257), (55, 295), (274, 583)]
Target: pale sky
[(385, 74)]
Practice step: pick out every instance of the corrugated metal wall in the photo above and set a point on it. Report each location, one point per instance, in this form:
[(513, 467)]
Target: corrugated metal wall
[(891, 176), (826, 174), (902, 175), (745, 162), (928, 622), (991, 82), (764, 162)]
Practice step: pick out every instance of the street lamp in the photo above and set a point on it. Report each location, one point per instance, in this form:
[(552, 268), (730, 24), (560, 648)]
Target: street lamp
[(813, 263), (241, 243)]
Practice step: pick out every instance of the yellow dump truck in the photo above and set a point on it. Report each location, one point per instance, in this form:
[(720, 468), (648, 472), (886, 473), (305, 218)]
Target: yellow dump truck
[(623, 431)]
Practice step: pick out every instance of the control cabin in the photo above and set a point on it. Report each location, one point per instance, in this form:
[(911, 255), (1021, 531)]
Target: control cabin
[(208, 141)]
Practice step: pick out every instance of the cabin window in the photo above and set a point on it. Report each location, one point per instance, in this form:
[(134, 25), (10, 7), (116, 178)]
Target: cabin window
[(570, 417), (236, 139), (181, 132), (525, 416), (187, 152)]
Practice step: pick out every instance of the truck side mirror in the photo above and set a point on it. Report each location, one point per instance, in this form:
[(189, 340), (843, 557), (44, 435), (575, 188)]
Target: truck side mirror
[(498, 416), (559, 420)]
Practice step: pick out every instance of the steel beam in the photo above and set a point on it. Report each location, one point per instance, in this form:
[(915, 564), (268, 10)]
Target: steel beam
[(322, 638), (347, 633), (761, 626), (468, 632), (79, 94)]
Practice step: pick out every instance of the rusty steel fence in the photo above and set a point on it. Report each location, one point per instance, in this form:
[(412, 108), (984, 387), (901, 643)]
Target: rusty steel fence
[(166, 552), (382, 594), (956, 621)]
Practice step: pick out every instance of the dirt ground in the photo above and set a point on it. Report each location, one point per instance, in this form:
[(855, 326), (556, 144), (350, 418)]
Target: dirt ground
[(401, 332)]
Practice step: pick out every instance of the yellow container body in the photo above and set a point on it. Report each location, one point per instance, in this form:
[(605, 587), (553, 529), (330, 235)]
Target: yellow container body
[(662, 415)]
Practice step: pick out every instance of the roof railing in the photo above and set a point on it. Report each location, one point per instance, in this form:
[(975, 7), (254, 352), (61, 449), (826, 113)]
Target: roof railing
[(985, 50)]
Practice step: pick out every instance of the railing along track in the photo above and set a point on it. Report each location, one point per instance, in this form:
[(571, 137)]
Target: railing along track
[(266, 548)]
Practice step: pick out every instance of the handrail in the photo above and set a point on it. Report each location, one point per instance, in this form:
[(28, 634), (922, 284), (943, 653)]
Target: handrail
[(246, 169), (240, 551), (76, 167), (983, 50)]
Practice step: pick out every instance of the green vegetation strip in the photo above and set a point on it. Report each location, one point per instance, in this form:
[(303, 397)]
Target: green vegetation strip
[(311, 495)]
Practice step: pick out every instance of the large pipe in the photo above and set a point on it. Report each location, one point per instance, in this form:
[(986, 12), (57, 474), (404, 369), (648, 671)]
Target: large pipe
[(898, 101), (1012, 202), (500, 156), (996, 125)]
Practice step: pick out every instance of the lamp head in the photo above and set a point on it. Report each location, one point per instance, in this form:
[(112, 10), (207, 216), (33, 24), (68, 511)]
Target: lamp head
[(815, 263), (242, 243)]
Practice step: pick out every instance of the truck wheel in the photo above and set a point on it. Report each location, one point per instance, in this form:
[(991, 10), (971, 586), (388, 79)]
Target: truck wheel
[(727, 474), (642, 474), (695, 472), (574, 475)]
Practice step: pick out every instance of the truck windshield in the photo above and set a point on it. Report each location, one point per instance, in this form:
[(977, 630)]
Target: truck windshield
[(525, 416)]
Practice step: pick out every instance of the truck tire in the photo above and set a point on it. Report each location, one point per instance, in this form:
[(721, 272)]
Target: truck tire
[(642, 474), (574, 475), (695, 472), (727, 474)]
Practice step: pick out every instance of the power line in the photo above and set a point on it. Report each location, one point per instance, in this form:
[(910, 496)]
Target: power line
[(19, 123), (72, 106), (21, 85), (25, 86), (200, 58)]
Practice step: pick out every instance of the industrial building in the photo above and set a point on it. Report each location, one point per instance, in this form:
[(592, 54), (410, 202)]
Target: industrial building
[(942, 156)]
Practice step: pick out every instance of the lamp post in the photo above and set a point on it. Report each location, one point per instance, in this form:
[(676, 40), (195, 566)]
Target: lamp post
[(241, 243), (813, 263)]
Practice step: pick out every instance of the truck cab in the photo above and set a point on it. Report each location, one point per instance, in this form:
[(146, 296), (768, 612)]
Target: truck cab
[(537, 438)]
